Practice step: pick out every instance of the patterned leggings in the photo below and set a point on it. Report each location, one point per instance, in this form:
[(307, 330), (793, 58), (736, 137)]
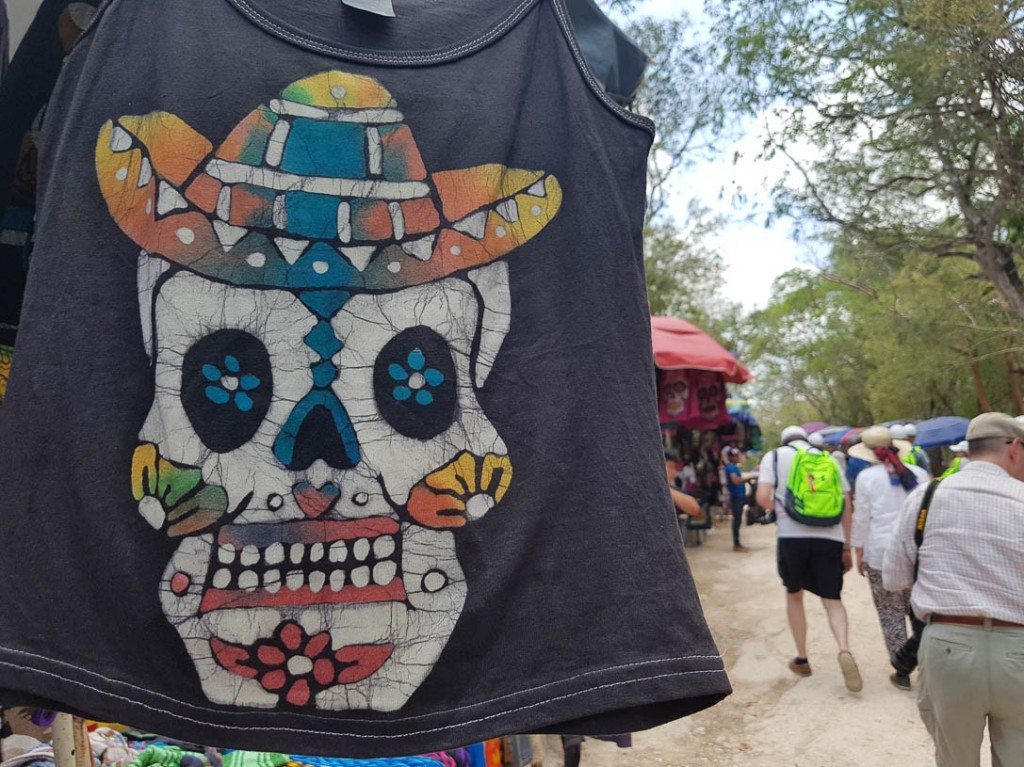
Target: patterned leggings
[(893, 608)]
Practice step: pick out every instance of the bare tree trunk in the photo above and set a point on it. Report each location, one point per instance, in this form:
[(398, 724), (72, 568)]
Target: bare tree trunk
[(999, 267), (1013, 379), (979, 387)]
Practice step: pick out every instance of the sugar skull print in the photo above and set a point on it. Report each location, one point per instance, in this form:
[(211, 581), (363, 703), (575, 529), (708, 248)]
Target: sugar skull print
[(320, 313), (675, 392)]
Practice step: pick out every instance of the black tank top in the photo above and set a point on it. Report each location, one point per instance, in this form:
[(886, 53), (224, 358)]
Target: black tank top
[(332, 425)]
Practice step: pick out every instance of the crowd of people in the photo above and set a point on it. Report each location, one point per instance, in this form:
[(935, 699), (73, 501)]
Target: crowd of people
[(943, 558)]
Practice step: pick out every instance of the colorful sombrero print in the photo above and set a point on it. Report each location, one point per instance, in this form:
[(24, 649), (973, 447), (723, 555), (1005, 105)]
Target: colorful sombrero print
[(324, 188)]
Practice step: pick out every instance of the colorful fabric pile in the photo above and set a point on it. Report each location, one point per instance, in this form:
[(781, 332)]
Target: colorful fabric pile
[(115, 745)]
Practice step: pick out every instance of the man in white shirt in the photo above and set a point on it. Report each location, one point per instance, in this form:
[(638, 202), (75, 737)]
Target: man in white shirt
[(879, 495), (810, 558), (969, 589)]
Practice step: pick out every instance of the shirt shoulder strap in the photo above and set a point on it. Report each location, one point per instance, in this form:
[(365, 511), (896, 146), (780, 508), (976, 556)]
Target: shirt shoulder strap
[(922, 513), (922, 518)]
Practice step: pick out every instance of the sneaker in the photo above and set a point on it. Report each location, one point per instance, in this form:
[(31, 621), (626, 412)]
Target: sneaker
[(741, 549), (900, 681), (800, 669), (904, 661), (851, 674)]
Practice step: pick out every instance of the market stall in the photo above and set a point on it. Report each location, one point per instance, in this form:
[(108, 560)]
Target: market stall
[(693, 370)]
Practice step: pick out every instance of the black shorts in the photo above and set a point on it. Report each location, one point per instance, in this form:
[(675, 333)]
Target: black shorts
[(812, 564)]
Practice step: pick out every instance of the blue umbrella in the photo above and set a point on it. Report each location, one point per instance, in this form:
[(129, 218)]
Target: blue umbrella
[(833, 434), (944, 430)]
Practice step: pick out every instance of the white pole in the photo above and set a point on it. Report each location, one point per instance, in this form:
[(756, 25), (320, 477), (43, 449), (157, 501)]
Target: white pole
[(70, 742)]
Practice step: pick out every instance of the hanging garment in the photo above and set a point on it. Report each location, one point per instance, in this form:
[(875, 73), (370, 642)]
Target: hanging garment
[(25, 87), (706, 408), (5, 39), (287, 459), (694, 399)]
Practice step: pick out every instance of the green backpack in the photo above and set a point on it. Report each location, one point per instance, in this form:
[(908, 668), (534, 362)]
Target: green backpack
[(814, 490)]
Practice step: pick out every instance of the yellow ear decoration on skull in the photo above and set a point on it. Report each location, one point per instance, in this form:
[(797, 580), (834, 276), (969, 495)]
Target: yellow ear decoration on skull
[(461, 491), (174, 498)]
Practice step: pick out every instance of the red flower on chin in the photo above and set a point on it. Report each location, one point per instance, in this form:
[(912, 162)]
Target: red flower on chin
[(297, 665)]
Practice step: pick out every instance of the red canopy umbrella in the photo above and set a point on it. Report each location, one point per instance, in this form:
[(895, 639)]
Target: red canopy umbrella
[(678, 345)]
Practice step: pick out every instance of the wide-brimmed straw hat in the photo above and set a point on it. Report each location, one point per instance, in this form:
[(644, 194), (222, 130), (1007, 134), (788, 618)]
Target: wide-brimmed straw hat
[(875, 437)]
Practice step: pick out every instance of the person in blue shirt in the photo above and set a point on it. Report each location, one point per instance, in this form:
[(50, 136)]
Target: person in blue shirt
[(737, 494)]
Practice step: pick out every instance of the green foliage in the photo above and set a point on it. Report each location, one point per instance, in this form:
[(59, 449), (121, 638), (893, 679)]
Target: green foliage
[(683, 92), (685, 275), (805, 344), (872, 338), (902, 118)]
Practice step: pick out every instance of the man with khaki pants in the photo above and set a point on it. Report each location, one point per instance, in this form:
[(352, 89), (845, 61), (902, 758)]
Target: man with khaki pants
[(970, 591)]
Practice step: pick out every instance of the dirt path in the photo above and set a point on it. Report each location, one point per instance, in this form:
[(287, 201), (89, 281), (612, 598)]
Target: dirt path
[(774, 719)]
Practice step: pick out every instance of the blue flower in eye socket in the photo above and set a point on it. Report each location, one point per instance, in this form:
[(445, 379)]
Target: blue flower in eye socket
[(229, 384), (414, 379)]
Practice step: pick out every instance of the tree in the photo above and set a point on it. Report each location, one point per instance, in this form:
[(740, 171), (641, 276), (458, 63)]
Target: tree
[(874, 337), (685, 275), (683, 93), (806, 346), (914, 110)]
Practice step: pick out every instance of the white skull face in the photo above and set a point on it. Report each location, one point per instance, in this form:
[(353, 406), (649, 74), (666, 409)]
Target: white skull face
[(675, 392), (314, 453)]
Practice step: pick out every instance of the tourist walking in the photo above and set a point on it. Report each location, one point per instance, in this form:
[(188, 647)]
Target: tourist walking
[(812, 501), (737, 495), (879, 496), (917, 455), (960, 459), (967, 545)]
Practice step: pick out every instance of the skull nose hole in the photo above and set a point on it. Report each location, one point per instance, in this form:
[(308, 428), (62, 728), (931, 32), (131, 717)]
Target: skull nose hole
[(318, 438), (317, 434)]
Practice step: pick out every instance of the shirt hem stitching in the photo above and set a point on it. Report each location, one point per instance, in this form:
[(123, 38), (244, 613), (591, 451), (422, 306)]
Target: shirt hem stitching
[(390, 721)]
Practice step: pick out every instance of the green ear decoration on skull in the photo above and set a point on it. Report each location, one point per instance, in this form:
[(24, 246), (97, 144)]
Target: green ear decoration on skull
[(173, 497)]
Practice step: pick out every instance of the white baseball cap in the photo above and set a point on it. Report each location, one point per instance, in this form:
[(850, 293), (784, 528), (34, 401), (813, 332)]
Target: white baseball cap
[(816, 439), (909, 430), (791, 433), (898, 431)]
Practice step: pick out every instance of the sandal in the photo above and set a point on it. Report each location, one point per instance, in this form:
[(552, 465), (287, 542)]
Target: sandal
[(851, 674), (800, 667)]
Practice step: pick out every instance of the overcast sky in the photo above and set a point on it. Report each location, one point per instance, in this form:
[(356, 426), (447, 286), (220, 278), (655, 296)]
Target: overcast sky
[(753, 255)]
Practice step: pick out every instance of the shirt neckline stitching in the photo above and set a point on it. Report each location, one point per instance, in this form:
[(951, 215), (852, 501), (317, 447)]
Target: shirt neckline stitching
[(273, 26)]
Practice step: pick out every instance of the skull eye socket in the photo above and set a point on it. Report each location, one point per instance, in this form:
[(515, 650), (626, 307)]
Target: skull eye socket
[(226, 385), (414, 383)]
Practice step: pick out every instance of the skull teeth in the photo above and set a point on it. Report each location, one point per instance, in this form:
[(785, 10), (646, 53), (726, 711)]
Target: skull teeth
[(361, 577), (337, 580), (319, 566), (274, 554), (338, 552), (250, 555)]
